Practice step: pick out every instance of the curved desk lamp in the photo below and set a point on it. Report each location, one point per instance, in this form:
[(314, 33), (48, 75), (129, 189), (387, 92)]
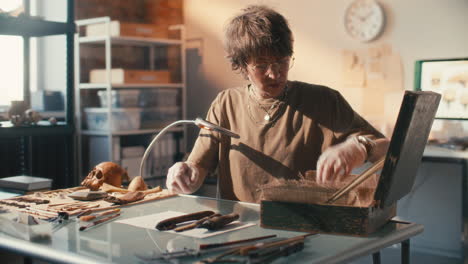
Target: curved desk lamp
[(201, 123)]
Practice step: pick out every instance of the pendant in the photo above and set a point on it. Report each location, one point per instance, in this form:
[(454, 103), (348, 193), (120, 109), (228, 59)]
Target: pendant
[(267, 117)]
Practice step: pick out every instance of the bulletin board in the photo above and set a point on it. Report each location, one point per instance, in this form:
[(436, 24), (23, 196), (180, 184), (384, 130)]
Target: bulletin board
[(448, 77)]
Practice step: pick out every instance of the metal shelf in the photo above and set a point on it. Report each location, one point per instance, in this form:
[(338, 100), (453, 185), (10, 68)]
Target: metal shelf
[(107, 144), (23, 26), (135, 41), (130, 85), (42, 128), (127, 132)]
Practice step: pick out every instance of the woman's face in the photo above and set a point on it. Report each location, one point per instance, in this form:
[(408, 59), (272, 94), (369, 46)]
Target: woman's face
[(269, 75)]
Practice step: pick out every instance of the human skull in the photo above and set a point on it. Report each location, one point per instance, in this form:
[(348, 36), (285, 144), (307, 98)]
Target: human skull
[(105, 172)]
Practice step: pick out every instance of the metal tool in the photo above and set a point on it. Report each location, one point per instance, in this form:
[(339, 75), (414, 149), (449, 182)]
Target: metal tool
[(87, 218), (274, 253), (258, 251), (171, 223), (83, 228), (60, 221), (201, 123), (245, 251), (194, 224), (218, 245), (358, 180), (209, 248), (218, 222)]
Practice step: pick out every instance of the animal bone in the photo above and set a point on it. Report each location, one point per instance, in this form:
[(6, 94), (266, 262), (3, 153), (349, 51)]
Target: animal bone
[(129, 197), (105, 172), (137, 184)]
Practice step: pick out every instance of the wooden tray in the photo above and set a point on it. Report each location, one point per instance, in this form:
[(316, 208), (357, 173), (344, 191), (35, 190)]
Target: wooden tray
[(46, 205)]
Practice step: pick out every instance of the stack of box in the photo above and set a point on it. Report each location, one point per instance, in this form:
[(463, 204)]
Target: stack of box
[(131, 159), (24, 184)]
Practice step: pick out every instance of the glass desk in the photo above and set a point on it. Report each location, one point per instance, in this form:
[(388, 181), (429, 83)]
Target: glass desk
[(118, 243)]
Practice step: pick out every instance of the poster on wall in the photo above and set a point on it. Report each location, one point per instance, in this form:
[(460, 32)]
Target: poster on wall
[(449, 77)]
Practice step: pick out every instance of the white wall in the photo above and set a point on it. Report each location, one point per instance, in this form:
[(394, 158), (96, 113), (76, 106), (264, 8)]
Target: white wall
[(416, 29)]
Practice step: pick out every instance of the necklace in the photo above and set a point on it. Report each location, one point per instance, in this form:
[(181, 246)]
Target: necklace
[(268, 111)]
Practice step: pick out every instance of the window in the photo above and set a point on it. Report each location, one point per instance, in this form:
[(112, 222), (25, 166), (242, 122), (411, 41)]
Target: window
[(11, 69), (11, 61)]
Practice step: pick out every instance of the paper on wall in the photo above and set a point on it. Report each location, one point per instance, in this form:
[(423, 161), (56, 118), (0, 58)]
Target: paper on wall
[(353, 69)]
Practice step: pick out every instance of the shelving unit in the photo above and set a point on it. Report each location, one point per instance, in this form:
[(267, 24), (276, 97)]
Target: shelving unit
[(112, 139), (22, 146), (27, 28)]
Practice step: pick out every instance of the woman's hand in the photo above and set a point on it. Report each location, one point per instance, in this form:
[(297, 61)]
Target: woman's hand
[(184, 177), (339, 160)]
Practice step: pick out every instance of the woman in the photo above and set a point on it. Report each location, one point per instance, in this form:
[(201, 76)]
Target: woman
[(285, 127)]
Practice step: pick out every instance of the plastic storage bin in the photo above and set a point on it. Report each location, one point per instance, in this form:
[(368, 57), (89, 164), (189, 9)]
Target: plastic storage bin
[(159, 116), (122, 119), (162, 97), (121, 98)]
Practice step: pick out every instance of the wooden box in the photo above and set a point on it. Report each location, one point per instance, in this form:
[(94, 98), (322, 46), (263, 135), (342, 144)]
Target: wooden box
[(396, 180), (121, 76), (120, 29)]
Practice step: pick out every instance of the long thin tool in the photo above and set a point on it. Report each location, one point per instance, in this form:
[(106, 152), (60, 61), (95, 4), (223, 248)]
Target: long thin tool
[(216, 245), (88, 218), (207, 249), (358, 180), (82, 228), (194, 224), (244, 251)]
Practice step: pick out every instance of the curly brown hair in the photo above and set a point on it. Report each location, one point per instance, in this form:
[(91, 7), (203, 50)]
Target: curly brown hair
[(257, 31)]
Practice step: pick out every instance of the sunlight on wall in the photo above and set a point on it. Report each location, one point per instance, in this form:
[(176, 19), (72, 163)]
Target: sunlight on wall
[(11, 61), (11, 69)]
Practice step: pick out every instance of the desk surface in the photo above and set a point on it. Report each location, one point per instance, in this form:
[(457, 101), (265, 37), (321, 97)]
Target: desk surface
[(115, 242), (439, 152)]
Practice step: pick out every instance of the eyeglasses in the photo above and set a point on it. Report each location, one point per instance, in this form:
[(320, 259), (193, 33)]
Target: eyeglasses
[(281, 65)]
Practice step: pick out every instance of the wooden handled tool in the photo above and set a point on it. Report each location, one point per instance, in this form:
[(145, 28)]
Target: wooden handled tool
[(171, 223), (358, 180), (244, 251), (88, 218), (82, 228), (218, 222), (194, 224), (223, 244)]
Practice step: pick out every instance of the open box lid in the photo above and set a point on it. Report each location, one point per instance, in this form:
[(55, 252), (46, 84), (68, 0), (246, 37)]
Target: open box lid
[(407, 145)]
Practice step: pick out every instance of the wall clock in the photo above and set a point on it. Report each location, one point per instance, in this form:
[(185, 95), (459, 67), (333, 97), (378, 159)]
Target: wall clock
[(364, 20)]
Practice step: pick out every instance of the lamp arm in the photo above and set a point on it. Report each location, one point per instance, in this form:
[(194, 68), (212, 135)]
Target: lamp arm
[(153, 142)]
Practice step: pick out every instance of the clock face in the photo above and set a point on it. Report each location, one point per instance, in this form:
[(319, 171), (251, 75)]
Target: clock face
[(364, 20)]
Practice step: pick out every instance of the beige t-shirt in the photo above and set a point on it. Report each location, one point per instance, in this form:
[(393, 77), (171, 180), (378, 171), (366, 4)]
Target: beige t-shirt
[(305, 121)]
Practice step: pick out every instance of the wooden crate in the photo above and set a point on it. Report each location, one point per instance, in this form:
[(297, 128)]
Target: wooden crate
[(325, 218), (396, 180), (120, 29), (122, 76)]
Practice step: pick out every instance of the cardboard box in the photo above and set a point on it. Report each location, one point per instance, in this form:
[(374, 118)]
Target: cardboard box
[(121, 76), (120, 29)]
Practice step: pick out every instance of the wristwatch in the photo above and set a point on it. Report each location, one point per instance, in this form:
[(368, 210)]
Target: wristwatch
[(368, 143)]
